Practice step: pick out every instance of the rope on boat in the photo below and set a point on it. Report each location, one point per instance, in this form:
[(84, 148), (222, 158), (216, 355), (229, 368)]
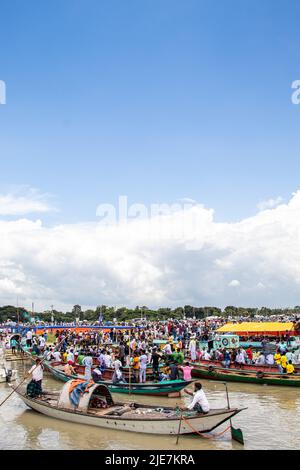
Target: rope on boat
[(203, 435)]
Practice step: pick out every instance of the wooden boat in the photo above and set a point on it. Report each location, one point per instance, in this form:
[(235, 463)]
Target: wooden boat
[(123, 416), (253, 367), (107, 374), (260, 376), (6, 374), (170, 388)]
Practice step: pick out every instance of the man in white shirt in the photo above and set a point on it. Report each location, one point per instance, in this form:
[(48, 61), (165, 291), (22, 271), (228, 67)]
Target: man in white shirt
[(270, 359), (107, 360), (199, 402), (42, 342), (167, 349), (260, 361), (57, 356), (29, 338), (117, 364), (143, 367), (71, 357)]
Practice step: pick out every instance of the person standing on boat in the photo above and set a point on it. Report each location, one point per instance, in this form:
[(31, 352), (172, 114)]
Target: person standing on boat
[(143, 366), (34, 388), (13, 344), (122, 353), (283, 361), (277, 359), (70, 356), (227, 359), (155, 358), (249, 355), (29, 338), (88, 362), (199, 402), (192, 349), (174, 373), (187, 371)]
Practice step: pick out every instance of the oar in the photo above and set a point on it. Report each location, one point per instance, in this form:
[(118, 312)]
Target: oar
[(236, 434), (179, 427)]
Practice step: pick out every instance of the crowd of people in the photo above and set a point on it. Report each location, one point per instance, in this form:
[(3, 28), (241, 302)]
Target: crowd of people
[(170, 347), (175, 344)]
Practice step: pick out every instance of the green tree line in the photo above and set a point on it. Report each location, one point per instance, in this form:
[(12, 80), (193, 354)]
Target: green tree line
[(16, 314)]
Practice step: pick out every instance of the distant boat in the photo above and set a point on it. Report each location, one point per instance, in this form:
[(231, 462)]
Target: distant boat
[(123, 416), (6, 374), (256, 376)]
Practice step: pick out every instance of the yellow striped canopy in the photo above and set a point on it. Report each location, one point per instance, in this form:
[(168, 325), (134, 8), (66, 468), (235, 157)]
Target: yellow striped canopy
[(259, 327)]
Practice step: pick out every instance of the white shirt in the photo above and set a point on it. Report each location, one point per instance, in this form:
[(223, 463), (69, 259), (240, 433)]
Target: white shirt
[(270, 359), (117, 364), (29, 335), (107, 360), (37, 372), (56, 355), (199, 397), (143, 361), (167, 349), (70, 357)]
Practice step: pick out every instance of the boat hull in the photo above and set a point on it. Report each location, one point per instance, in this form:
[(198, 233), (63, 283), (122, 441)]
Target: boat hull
[(203, 423), (164, 388), (246, 376)]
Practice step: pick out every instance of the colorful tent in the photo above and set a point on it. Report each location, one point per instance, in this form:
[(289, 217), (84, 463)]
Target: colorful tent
[(267, 328)]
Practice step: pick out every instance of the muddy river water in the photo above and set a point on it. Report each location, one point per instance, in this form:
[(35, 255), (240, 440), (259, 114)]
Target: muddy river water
[(271, 421)]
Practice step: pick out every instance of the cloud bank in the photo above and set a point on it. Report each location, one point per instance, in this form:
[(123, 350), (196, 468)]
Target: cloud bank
[(183, 258), (24, 201)]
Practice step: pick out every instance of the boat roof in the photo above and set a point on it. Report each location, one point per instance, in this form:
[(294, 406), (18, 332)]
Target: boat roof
[(84, 400)]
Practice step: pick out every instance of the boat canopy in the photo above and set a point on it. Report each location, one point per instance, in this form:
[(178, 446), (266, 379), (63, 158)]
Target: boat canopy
[(257, 327), (85, 399)]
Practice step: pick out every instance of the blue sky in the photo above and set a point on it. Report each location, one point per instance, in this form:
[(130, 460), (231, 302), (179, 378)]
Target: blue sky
[(157, 100)]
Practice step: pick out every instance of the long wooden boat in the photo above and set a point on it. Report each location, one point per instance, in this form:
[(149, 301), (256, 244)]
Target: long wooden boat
[(212, 372), (253, 367), (123, 416), (170, 388), (107, 374)]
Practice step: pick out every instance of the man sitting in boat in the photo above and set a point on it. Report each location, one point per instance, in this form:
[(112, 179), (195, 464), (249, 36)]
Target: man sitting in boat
[(199, 402), (96, 374), (117, 377), (270, 359), (69, 369)]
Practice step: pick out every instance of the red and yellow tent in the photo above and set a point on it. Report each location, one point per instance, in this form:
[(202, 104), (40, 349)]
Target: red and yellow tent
[(258, 328)]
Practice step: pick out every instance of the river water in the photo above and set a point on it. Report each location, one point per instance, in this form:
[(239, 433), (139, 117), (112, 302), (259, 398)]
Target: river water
[(271, 421)]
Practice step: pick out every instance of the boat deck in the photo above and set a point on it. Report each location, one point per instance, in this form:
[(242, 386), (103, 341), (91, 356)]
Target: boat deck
[(138, 412)]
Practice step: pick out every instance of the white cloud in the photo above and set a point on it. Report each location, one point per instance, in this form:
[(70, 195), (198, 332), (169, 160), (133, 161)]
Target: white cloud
[(24, 201), (184, 258), (269, 203)]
